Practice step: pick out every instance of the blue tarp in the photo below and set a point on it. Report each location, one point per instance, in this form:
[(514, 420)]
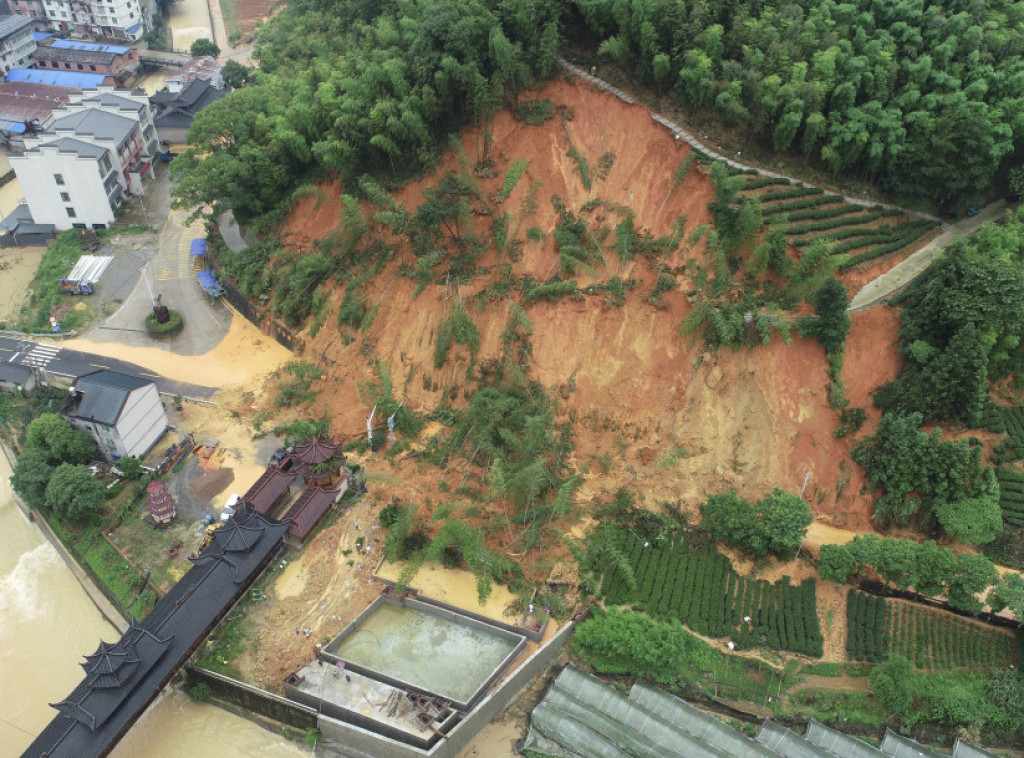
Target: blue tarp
[(198, 248), (12, 127), (40, 36)]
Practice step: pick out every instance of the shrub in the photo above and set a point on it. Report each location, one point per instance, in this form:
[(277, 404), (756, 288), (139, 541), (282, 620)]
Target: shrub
[(200, 693), (173, 326)]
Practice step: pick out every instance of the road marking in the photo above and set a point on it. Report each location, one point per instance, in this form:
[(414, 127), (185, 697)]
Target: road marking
[(155, 376), (99, 366), (40, 355), (6, 349)]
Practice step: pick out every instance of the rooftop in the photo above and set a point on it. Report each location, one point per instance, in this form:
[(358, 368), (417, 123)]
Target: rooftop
[(100, 396), (124, 678), (73, 55), (70, 79), (23, 101), (75, 44), (75, 146), (13, 24), (95, 123)]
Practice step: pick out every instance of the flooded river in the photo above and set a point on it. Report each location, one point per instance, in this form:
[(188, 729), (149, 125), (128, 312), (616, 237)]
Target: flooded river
[(188, 21), (48, 624)]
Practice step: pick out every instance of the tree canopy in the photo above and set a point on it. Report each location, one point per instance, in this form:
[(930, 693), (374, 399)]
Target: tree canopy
[(62, 443), (777, 523), (73, 494), (919, 474), (925, 99), (359, 87), (926, 567)]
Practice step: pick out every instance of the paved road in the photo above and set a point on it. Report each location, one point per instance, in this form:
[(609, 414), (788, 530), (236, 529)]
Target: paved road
[(164, 258), (53, 359), (875, 291)]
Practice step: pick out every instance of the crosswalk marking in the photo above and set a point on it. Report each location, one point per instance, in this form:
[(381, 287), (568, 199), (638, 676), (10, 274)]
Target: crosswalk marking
[(40, 355)]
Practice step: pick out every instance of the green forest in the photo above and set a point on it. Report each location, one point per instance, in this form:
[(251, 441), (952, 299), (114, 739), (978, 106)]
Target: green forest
[(926, 102)]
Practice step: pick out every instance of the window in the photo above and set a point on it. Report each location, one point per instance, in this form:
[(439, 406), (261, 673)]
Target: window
[(92, 67), (71, 212), (65, 197), (59, 179)]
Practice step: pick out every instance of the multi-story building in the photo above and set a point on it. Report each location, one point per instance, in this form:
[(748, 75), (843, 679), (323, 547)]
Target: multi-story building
[(30, 9), (16, 42), (112, 19), (27, 108), (89, 57), (99, 147)]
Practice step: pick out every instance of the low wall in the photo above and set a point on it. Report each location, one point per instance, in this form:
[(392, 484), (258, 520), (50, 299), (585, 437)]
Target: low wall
[(252, 698), (108, 605), (449, 613), (350, 740)]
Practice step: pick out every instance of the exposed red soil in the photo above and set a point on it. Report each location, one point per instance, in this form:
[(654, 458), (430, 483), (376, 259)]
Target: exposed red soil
[(251, 11), (675, 422)]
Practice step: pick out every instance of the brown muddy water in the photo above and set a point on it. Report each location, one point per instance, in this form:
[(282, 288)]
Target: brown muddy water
[(48, 624)]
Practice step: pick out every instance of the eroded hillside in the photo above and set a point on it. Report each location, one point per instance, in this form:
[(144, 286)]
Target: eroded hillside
[(649, 409)]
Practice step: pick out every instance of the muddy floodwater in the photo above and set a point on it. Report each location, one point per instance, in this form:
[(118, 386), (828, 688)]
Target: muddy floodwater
[(188, 21), (48, 624)]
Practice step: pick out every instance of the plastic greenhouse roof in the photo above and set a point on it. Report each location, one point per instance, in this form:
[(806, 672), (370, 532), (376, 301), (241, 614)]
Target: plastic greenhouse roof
[(839, 744), (899, 746), (581, 716), (963, 750), (696, 723), (787, 743)]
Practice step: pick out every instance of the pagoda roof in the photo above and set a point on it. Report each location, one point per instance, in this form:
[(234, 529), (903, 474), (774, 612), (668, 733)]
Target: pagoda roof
[(317, 449)]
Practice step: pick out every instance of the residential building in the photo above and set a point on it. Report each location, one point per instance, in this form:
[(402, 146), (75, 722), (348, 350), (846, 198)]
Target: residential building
[(88, 57), (110, 19), (99, 147), (27, 108), (30, 9), (16, 42), (67, 79), (174, 111), (124, 414)]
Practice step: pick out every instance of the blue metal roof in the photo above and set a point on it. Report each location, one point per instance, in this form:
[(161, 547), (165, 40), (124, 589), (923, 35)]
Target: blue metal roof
[(67, 79), (133, 29), (40, 36), (198, 248), (74, 44), (207, 279)]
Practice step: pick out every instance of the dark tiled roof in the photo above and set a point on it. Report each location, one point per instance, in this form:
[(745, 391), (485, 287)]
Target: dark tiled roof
[(73, 146), (96, 123), (309, 509), (179, 108), (123, 679), (71, 55), (14, 372), (268, 489), (101, 395)]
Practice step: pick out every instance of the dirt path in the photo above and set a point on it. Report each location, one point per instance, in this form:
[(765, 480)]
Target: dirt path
[(690, 139), (900, 275), (842, 683)]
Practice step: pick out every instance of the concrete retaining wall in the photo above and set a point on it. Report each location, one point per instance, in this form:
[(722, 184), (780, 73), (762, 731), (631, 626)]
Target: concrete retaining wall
[(350, 740), (250, 698)]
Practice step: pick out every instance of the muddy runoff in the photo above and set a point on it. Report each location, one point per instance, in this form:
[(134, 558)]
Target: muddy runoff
[(48, 624)]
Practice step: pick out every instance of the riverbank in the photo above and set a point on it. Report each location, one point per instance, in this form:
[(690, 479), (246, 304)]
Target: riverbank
[(107, 609)]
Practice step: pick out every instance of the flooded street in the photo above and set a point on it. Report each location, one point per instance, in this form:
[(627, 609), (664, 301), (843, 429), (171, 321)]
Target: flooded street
[(48, 624)]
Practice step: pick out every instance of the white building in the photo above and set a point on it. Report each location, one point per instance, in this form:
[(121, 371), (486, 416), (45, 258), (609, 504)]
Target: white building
[(16, 43), (99, 147), (111, 19), (124, 414)]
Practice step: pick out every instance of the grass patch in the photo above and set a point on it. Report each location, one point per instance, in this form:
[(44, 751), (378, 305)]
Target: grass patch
[(229, 11), (60, 257), (823, 669)]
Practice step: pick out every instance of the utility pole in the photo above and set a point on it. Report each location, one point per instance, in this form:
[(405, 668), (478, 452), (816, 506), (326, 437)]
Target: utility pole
[(145, 277), (369, 427)]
